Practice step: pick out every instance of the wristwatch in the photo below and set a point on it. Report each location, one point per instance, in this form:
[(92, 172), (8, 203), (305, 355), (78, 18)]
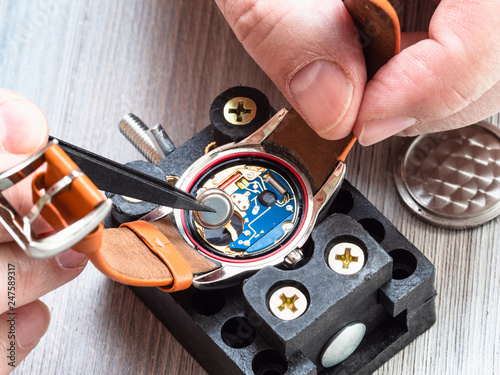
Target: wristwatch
[(268, 191)]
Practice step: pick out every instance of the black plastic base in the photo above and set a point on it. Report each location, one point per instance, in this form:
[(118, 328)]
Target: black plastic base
[(232, 331)]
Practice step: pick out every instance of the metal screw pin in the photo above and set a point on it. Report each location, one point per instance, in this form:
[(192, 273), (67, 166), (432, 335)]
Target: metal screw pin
[(136, 132), (288, 303), (293, 258), (346, 258), (161, 140)]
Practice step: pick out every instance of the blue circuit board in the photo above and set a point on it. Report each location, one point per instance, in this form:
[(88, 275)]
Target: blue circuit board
[(264, 226)]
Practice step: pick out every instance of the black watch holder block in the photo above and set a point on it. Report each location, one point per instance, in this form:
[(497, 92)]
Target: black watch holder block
[(348, 323)]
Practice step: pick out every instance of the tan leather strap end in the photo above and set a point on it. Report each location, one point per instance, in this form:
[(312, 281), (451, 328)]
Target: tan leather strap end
[(379, 30), (317, 155), (150, 254), (181, 272)]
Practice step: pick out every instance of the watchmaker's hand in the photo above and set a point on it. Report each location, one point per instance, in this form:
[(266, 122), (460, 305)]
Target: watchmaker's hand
[(445, 79), (311, 50), (23, 130)]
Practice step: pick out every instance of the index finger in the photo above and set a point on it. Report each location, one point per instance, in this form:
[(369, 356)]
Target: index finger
[(437, 77), (23, 131)]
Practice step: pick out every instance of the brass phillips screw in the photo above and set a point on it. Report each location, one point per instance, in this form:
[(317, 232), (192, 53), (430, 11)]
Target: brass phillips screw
[(288, 303), (346, 258), (240, 111)]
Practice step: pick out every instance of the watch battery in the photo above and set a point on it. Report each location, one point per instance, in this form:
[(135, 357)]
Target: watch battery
[(222, 205)]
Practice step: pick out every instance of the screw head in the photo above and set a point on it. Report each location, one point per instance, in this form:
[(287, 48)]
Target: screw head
[(342, 344), (240, 111), (288, 303), (346, 258)]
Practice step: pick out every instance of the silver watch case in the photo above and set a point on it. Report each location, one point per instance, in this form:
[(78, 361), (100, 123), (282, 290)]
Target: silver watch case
[(232, 271)]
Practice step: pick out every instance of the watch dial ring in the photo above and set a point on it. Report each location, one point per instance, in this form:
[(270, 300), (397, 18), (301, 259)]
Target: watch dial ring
[(273, 178)]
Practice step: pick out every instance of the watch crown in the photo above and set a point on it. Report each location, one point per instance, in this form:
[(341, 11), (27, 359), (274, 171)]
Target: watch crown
[(293, 258)]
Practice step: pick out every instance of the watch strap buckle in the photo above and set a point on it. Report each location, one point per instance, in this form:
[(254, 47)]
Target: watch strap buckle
[(63, 196)]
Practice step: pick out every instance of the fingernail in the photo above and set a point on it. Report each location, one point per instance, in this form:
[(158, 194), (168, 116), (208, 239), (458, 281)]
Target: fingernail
[(22, 129), (31, 322), (377, 130), (324, 93), (71, 259)]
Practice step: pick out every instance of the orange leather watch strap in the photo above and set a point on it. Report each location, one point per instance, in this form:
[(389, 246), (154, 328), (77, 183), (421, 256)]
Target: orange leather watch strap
[(132, 255), (318, 155), (379, 30), (181, 272), (71, 205), (83, 196)]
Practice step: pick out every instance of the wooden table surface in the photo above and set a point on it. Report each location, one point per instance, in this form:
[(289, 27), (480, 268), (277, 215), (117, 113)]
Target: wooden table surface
[(86, 63)]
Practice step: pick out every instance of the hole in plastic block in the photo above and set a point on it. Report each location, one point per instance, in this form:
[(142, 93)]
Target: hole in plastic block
[(269, 362), (208, 302), (238, 332), (404, 264), (374, 227), (343, 203)]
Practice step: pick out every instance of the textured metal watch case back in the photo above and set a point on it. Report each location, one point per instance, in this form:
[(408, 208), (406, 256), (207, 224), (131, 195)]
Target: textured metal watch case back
[(233, 270), (452, 179)]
